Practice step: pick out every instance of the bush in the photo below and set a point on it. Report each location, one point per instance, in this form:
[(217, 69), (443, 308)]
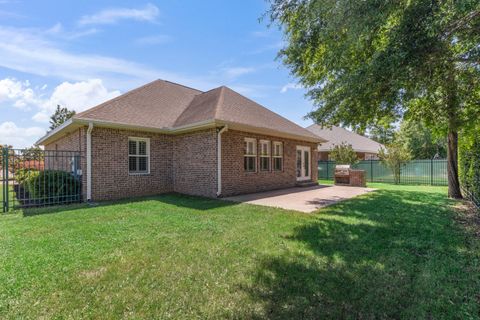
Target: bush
[(22, 175), (395, 157), (50, 185), (344, 154)]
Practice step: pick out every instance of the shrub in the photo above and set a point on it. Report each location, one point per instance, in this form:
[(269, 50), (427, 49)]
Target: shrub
[(395, 157), (344, 154), (51, 185), (22, 175)]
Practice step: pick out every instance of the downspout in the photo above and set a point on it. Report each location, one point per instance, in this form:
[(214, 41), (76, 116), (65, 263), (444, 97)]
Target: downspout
[(219, 160), (89, 161)]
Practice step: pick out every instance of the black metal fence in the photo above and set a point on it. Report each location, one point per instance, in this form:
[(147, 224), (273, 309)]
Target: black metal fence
[(426, 172), (35, 177)]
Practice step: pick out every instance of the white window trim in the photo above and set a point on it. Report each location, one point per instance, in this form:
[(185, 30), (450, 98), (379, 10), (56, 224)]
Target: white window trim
[(252, 155), (278, 143), (147, 140), (269, 152)]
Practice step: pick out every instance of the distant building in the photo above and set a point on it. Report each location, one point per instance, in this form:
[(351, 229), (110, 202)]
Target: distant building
[(366, 148)]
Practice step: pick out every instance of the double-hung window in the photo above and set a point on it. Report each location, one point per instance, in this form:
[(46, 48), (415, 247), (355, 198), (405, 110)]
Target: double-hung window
[(264, 155), (250, 155), (138, 155), (277, 156)]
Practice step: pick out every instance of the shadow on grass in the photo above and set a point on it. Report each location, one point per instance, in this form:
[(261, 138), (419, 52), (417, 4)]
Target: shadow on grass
[(392, 254), (175, 199)]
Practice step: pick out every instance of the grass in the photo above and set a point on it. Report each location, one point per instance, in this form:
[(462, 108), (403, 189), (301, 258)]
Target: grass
[(394, 253)]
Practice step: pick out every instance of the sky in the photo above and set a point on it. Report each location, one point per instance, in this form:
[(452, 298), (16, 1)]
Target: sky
[(81, 53)]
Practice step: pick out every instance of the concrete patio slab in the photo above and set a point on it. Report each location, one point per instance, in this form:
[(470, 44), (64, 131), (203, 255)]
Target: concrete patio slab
[(301, 199)]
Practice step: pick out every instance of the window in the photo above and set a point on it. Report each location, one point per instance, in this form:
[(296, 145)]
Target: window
[(138, 155), (264, 155), (250, 157), (277, 156)]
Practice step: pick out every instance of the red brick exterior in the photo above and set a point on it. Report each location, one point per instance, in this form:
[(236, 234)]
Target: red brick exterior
[(195, 165), (236, 181), (184, 163), (110, 176), (357, 178)]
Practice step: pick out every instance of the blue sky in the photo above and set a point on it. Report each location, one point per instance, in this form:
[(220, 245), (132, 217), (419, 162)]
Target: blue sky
[(81, 53)]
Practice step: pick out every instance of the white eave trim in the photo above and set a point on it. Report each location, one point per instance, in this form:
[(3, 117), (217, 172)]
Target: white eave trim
[(178, 130), (54, 132)]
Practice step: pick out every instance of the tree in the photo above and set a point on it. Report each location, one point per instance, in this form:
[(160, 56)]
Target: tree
[(395, 157), (421, 141), (383, 134), (344, 154), (366, 61), (33, 153), (60, 115)]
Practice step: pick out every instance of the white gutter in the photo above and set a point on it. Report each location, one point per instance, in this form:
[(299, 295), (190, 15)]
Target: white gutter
[(54, 131), (89, 161), (219, 160)]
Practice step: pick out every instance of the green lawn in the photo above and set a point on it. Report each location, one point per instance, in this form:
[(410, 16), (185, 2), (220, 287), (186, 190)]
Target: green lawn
[(394, 253)]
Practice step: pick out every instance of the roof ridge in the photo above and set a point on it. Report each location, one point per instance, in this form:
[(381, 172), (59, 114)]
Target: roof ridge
[(268, 110), (221, 98), (182, 85), (123, 95)]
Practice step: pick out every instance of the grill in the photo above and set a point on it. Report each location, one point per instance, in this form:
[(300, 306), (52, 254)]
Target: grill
[(342, 174)]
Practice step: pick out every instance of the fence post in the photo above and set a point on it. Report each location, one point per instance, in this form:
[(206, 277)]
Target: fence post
[(327, 169), (431, 172), (371, 170), (6, 183), (4, 208)]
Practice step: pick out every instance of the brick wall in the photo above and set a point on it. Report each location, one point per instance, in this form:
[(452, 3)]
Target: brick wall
[(357, 178), (236, 181), (185, 163), (195, 163), (110, 177)]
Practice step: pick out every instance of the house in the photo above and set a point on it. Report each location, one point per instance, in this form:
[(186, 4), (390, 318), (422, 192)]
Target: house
[(166, 137), (367, 149)]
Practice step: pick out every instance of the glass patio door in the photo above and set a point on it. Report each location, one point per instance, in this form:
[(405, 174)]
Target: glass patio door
[(303, 163)]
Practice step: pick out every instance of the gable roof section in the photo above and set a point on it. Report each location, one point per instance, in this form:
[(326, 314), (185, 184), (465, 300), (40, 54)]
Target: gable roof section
[(157, 104), (337, 135), (225, 105), (168, 107)]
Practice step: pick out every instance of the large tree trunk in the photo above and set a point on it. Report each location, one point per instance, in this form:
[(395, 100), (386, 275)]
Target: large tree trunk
[(453, 106), (452, 166)]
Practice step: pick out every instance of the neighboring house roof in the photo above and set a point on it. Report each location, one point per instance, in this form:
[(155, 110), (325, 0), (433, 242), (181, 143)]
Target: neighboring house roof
[(337, 135), (168, 107)]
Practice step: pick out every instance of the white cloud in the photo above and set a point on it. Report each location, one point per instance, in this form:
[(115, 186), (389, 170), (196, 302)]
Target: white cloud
[(32, 51), (290, 86), (152, 40), (77, 96), (235, 72), (19, 137), (110, 16), (17, 92), (58, 31)]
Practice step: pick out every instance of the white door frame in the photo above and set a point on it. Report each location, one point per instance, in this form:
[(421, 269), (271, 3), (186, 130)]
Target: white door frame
[(303, 176)]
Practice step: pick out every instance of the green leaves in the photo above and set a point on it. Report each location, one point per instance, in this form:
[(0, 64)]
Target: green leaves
[(61, 115), (344, 154), (367, 60)]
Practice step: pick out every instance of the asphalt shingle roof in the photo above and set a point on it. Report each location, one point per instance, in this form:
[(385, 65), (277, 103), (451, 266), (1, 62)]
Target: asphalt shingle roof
[(337, 135), (163, 104)]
